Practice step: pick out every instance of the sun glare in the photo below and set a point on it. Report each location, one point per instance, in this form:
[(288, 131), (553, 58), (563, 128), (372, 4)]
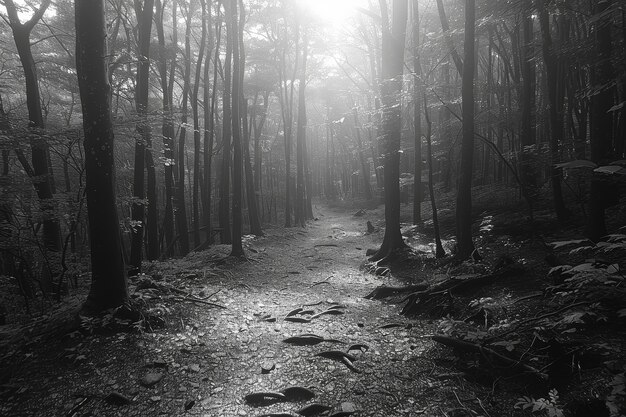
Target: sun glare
[(334, 12)]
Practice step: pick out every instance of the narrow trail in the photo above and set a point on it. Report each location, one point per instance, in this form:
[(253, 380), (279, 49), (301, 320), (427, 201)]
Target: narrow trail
[(315, 268), (208, 359)]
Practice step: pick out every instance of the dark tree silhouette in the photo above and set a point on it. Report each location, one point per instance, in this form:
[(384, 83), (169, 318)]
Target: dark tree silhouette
[(108, 279), (465, 245), (144, 20), (390, 130), (40, 171)]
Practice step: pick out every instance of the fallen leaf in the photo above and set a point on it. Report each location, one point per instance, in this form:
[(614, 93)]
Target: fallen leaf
[(294, 312), (297, 393), (333, 312), (304, 340), (313, 409), (298, 319), (117, 398), (264, 398), (189, 404)]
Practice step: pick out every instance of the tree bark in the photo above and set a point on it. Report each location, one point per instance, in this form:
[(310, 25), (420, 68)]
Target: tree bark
[(108, 280), (180, 212), (602, 150), (417, 118), (465, 245), (237, 247), (556, 110), (390, 131), (41, 175), (144, 21), (224, 204), (196, 131), (300, 206), (167, 131)]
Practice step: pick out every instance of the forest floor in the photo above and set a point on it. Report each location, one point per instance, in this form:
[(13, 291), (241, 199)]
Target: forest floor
[(214, 332)]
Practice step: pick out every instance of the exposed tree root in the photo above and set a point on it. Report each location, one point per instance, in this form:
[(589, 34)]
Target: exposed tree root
[(492, 356), (441, 295)]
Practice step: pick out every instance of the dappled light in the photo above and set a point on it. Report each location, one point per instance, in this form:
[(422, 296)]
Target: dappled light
[(319, 208)]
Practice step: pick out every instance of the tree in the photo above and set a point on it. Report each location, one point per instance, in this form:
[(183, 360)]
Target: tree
[(390, 128), (300, 205), (197, 174), (143, 141), (602, 150), (40, 171), (224, 202), (555, 100), (465, 245), (179, 198), (237, 248), (108, 280), (417, 117), (167, 128)]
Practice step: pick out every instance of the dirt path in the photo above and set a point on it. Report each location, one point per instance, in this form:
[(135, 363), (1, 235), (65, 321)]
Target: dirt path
[(211, 359)]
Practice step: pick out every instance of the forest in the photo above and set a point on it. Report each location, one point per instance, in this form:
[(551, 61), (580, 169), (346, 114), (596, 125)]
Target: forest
[(198, 197)]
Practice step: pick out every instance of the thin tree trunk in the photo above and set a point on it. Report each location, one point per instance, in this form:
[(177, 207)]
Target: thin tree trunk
[(465, 244), (167, 131), (417, 118), (439, 250), (237, 247), (144, 19), (300, 207), (195, 202), (181, 209), (224, 204), (556, 111)]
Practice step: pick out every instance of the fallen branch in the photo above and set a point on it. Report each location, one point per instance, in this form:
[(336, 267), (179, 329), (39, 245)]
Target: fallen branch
[(385, 291), (490, 354), (199, 301), (538, 318)]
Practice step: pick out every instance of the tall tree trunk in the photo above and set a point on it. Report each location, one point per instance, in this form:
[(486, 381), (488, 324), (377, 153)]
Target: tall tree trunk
[(237, 247), (602, 150), (109, 286), (365, 168), (209, 121), (465, 245), (258, 153), (167, 131), (439, 250), (195, 203), (300, 207), (556, 110), (144, 21), (393, 39), (528, 144), (40, 171), (253, 209), (224, 204), (417, 118), (181, 209)]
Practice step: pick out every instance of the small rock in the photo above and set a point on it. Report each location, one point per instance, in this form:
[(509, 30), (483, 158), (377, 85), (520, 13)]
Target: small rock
[(267, 367), (151, 378), (194, 367)]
